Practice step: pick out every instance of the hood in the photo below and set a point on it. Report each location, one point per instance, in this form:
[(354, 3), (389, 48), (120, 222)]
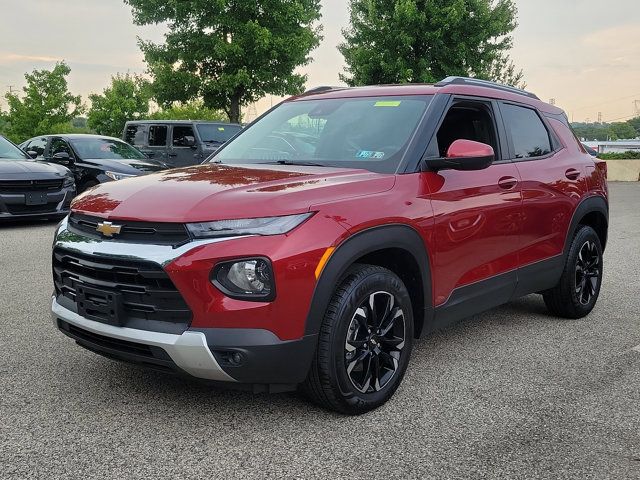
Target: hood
[(127, 165), (31, 170), (217, 192)]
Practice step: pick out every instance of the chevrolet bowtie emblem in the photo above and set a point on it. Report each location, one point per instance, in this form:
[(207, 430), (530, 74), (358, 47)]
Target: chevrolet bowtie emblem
[(108, 229)]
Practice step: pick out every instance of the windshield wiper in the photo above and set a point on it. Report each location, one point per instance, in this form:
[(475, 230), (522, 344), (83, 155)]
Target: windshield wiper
[(295, 162)]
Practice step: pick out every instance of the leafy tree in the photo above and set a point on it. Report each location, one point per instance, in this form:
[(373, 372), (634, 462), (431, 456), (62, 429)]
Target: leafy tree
[(194, 110), (127, 98), (635, 123), (623, 130), (413, 41), (46, 103), (228, 52)]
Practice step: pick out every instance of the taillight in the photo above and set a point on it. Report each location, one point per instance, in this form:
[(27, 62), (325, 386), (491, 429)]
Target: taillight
[(601, 166)]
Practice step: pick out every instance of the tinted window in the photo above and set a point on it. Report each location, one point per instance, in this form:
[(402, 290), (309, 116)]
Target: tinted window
[(370, 133), (58, 145), (158, 136), (179, 132), (467, 121), (37, 145), (530, 136), (134, 134)]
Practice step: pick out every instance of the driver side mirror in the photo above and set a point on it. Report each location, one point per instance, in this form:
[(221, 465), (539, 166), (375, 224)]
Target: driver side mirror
[(63, 158), (464, 155), (33, 154), (189, 141)]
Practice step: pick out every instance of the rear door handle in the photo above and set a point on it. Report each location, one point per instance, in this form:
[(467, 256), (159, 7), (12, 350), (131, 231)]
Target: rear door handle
[(507, 183), (173, 154), (572, 174)]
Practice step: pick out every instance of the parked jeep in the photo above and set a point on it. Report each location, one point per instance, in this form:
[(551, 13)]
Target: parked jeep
[(178, 142), (316, 246)]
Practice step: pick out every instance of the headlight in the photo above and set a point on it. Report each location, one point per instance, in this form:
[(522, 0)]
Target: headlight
[(247, 226), (68, 182), (118, 176), (246, 279)]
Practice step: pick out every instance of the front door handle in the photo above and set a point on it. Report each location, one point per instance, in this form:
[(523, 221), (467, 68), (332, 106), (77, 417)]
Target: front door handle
[(572, 174), (173, 154), (508, 183)]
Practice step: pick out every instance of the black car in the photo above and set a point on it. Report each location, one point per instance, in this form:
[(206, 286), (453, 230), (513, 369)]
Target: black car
[(93, 159), (32, 189)]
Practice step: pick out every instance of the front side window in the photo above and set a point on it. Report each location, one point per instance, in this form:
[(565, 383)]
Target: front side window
[(58, 145), (179, 134), (105, 149), (37, 145), (8, 151), (467, 121), (372, 133), (529, 135), (158, 136)]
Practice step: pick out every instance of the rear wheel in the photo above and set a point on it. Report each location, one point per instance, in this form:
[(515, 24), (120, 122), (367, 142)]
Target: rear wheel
[(364, 344), (576, 293)]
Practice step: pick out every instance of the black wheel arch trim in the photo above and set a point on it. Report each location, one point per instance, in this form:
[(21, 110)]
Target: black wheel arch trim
[(398, 236), (594, 203)]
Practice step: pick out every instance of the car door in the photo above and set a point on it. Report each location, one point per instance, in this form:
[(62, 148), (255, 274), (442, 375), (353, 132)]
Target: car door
[(547, 157), (477, 217), (182, 151), (157, 142)]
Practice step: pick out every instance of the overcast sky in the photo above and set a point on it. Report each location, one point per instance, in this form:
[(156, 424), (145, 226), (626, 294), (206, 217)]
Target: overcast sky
[(583, 53)]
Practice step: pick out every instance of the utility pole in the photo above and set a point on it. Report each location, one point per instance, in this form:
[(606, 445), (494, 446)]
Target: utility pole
[(636, 107), (599, 117)]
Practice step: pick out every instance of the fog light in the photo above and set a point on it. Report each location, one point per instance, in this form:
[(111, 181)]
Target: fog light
[(246, 279)]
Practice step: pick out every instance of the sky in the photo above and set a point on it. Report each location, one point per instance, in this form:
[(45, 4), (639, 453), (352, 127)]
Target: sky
[(583, 53)]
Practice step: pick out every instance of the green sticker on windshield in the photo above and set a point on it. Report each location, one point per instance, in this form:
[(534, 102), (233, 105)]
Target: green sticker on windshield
[(388, 103), (221, 129)]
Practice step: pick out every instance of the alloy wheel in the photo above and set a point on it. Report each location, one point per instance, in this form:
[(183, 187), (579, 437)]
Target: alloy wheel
[(374, 343), (587, 272)]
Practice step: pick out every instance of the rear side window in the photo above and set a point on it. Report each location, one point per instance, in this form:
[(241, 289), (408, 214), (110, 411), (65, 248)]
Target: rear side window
[(529, 135), (134, 135), (38, 145), (158, 136)]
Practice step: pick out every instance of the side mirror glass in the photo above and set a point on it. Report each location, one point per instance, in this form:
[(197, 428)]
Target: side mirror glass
[(32, 153), (465, 155)]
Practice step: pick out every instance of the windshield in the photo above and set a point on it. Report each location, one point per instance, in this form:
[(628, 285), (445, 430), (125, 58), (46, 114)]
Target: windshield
[(105, 149), (8, 151), (371, 133), (218, 133)]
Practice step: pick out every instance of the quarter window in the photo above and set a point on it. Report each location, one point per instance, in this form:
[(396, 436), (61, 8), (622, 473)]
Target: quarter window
[(529, 135), (158, 136)]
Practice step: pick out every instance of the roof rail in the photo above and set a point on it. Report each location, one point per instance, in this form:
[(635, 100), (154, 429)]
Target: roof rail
[(321, 89), (484, 83)]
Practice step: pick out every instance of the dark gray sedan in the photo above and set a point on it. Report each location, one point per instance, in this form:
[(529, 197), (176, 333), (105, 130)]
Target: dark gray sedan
[(30, 189)]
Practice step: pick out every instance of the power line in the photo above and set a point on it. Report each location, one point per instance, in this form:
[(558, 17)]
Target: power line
[(608, 101)]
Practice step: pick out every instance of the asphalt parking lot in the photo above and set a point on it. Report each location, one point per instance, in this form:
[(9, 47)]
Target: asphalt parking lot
[(512, 393)]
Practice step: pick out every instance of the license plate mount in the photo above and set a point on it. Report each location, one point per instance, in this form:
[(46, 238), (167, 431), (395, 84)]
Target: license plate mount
[(100, 305), (36, 198)]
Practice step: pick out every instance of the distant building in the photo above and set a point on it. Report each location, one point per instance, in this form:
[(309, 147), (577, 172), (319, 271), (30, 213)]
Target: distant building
[(618, 146)]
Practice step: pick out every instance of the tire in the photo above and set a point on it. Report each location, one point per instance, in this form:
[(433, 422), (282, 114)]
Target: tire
[(576, 293), (347, 346)]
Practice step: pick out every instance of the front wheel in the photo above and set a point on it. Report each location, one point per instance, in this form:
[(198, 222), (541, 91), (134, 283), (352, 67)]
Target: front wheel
[(364, 344), (576, 293)]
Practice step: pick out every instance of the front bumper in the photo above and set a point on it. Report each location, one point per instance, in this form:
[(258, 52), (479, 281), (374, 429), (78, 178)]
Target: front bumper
[(267, 363), (13, 206)]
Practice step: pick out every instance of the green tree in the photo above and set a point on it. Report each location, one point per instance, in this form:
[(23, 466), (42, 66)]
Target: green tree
[(127, 98), (635, 123), (228, 52), (623, 130), (194, 110), (45, 104), (413, 41)]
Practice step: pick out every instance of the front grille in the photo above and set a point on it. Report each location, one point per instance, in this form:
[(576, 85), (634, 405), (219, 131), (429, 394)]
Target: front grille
[(149, 299), (19, 186), (32, 209), (137, 232)]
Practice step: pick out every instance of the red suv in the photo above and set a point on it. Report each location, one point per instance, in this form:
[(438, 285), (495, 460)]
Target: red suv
[(313, 248)]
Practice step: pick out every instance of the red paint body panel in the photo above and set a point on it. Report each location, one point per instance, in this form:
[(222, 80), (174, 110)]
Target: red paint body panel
[(474, 225)]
